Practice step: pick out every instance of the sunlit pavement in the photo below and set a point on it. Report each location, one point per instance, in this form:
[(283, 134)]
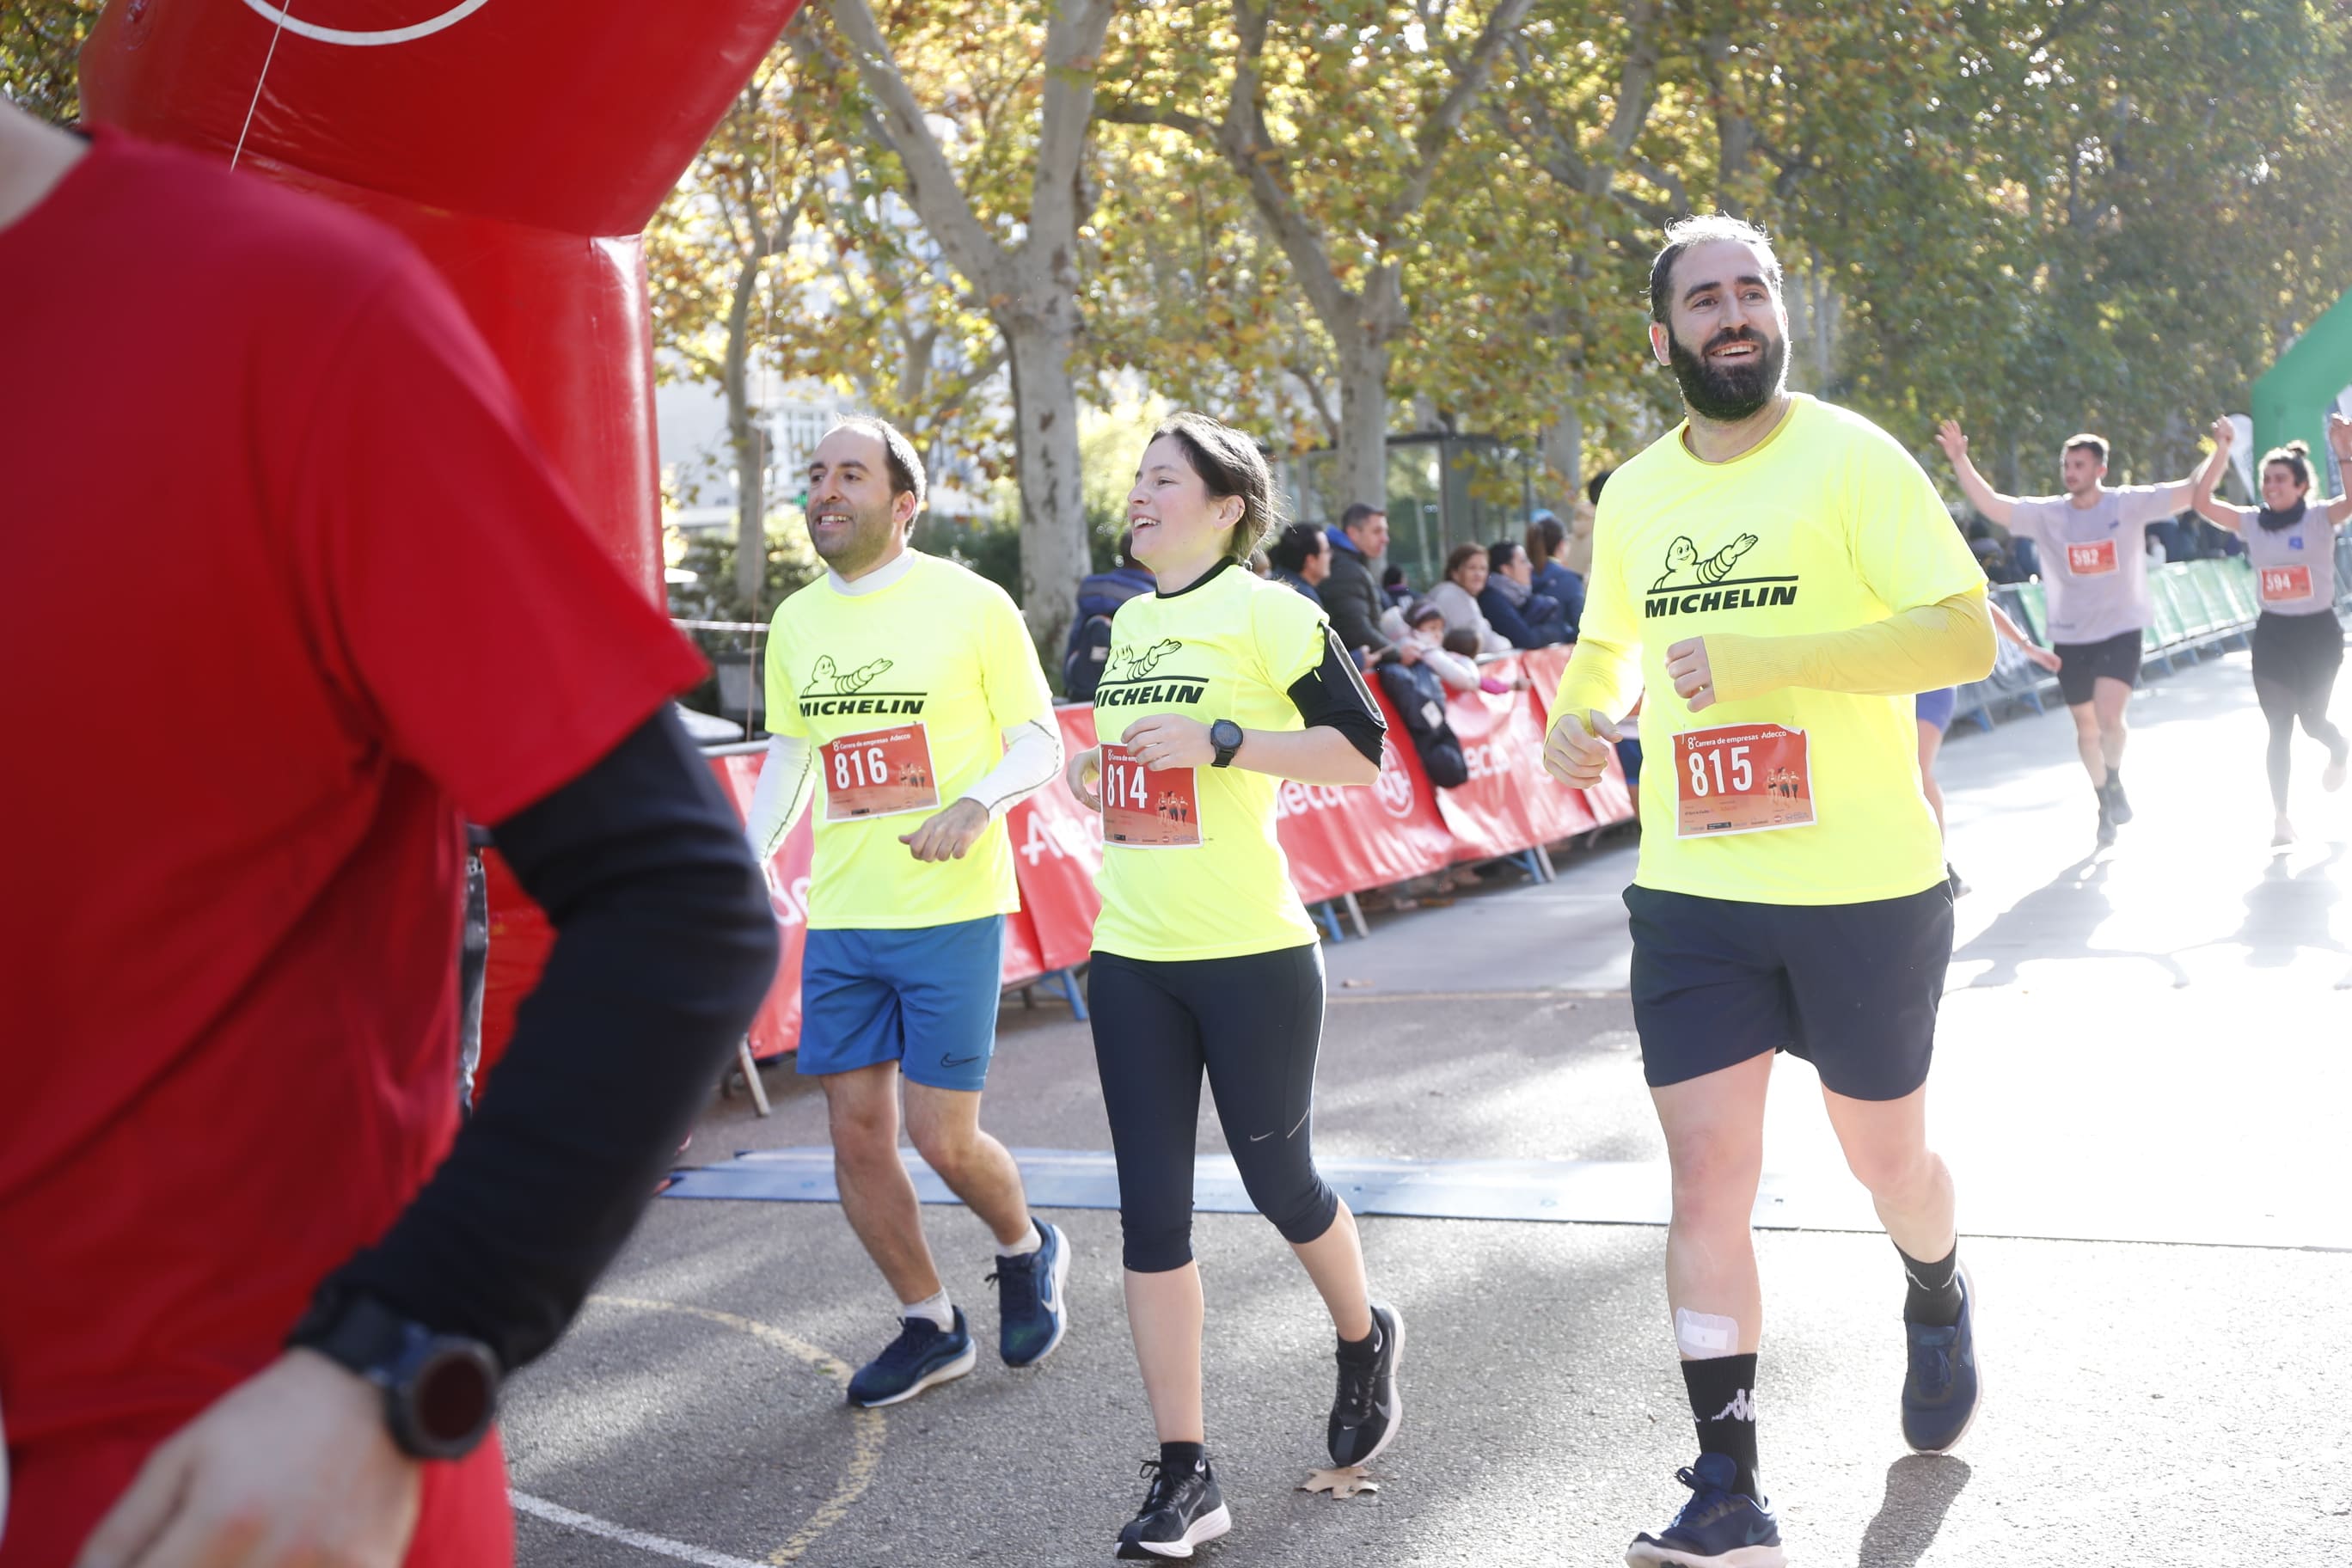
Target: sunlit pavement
[(2141, 1086)]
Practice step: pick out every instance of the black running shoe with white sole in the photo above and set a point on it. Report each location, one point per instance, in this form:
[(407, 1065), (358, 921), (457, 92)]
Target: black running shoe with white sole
[(1941, 1390), (1367, 1410), (1179, 1512)]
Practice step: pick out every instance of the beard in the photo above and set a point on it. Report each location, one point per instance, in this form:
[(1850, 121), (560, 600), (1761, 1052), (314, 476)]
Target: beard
[(868, 539), (1728, 394)]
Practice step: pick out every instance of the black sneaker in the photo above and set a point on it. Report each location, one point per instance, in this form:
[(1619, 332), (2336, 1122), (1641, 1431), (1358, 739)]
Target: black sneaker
[(1719, 1528), (1179, 1513), (2119, 807), (1366, 1411), (2107, 820)]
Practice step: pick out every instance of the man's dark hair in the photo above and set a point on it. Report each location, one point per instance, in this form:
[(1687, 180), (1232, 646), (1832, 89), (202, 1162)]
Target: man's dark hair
[(1294, 546), (1500, 553), (1593, 486), (1230, 465), (2087, 442), (1356, 513), (1683, 233), (907, 475)]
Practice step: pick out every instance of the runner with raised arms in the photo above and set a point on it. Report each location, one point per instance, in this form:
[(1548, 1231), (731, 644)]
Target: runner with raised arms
[(2093, 552), (1219, 686), (904, 693), (1782, 576), (2298, 642)]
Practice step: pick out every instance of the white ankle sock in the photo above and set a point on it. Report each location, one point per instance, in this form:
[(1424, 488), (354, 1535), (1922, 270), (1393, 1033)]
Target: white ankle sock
[(938, 1309), (1031, 1243)]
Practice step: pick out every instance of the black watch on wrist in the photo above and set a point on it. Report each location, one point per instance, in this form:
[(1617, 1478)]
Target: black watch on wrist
[(1226, 736), (440, 1391)]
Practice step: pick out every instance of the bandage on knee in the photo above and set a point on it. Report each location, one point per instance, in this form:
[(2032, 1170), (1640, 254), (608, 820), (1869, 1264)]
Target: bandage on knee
[(1701, 1335)]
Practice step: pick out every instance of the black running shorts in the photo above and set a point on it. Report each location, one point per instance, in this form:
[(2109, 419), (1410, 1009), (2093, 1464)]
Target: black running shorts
[(2083, 663), (1852, 988)]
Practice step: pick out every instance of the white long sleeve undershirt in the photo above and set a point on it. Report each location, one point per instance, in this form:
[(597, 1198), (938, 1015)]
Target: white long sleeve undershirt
[(1033, 757)]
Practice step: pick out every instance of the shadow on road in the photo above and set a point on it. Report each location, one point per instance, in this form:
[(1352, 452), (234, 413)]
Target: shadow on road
[(1919, 1491), (2055, 920)]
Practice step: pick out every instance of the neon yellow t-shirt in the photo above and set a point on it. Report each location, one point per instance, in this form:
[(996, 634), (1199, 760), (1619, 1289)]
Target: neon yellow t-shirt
[(1827, 525), (1230, 646), (941, 650)]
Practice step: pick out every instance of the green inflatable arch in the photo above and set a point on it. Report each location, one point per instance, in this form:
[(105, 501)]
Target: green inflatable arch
[(2292, 399)]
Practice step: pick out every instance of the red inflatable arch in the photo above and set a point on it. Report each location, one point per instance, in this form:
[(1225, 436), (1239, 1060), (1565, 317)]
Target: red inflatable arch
[(522, 144)]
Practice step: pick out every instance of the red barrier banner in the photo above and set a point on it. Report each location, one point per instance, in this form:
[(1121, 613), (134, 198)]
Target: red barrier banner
[(1341, 840), (1496, 811), (776, 1028), (1609, 800), (1056, 851), (1022, 959)]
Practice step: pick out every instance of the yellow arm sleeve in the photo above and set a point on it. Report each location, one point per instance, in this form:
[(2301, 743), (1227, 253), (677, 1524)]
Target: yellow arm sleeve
[(1947, 643), (1599, 674)]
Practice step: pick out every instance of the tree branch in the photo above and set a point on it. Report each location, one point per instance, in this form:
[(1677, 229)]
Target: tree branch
[(1437, 131), (895, 120)]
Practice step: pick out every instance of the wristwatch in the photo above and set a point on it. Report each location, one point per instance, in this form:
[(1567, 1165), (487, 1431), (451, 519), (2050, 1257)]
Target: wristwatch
[(440, 1391), (1226, 736)]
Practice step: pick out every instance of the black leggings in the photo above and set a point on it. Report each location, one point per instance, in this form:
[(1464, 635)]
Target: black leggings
[(1255, 1022), (2295, 661)]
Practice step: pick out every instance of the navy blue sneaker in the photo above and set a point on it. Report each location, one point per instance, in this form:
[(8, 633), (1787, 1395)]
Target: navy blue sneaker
[(1030, 1310), (1939, 1393), (1179, 1512), (1719, 1528), (922, 1356)]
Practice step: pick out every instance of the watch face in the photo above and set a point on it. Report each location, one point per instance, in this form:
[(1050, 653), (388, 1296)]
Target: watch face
[(1224, 735), (456, 1394)]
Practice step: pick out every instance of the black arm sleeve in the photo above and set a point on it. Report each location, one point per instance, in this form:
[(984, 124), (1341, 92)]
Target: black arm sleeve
[(1333, 693), (665, 947)]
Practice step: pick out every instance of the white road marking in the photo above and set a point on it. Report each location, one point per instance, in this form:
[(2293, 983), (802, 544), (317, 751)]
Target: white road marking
[(556, 1513), (372, 37)]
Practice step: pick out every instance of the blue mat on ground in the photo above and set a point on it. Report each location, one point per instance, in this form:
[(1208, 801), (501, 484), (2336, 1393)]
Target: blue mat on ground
[(1578, 1191)]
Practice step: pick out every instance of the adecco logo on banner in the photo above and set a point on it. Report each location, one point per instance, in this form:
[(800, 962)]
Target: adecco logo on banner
[(428, 23), (1395, 788), (1061, 836), (790, 901)]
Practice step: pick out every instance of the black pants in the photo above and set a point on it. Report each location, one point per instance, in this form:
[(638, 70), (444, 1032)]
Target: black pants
[(2295, 661), (1254, 1023)]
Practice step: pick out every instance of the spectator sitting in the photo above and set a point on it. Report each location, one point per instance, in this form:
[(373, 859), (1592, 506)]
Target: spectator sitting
[(1301, 557), (1457, 596), (1511, 603), (1416, 689), (1548, 544), (1099, 598), (1351, 593), (1393, 585), (1427, 623)]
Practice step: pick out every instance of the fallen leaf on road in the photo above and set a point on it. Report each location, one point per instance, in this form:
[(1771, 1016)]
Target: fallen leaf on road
[(1341, 1483), (1350, 984)]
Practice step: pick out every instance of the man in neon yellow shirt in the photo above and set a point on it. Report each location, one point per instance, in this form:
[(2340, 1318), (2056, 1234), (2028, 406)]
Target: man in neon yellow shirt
[(1783, 577), (906, 698)]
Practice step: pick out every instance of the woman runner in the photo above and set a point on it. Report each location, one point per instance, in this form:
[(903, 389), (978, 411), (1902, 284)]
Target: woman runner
[(1219, 685), (2298, 642)]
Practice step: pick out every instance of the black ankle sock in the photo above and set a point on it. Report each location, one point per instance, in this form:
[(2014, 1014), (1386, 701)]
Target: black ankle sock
[(1723, 1402), (1366, 1349), (1181, 1459), (1931, 1291)]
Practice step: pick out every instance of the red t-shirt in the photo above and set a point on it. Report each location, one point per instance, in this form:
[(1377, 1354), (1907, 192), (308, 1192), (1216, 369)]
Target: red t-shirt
[(289, 589)]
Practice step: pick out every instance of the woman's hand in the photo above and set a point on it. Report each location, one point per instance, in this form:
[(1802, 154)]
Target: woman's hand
[(2043, 656), (1082, 775), (2225, 434), (1169, 741)]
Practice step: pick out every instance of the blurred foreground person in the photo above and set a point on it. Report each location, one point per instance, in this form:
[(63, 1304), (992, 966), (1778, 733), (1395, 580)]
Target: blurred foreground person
[(260, 1290)]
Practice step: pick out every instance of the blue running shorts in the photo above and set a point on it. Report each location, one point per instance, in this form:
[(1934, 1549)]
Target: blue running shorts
[(1936, 707), (925, 998)]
